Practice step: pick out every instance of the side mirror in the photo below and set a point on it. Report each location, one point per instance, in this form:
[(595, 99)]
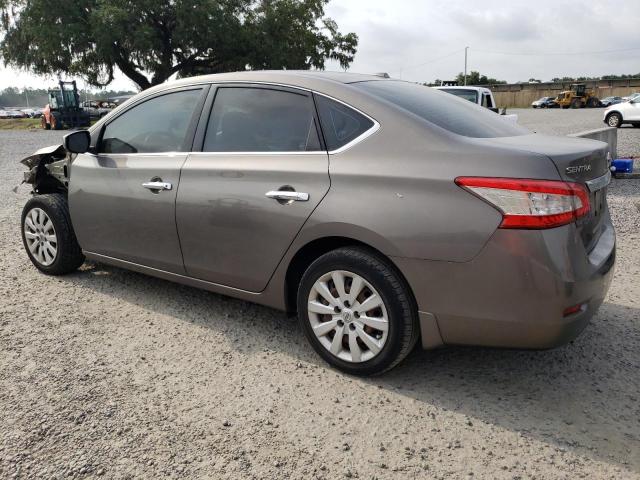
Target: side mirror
[(77, 142), (494, 109)]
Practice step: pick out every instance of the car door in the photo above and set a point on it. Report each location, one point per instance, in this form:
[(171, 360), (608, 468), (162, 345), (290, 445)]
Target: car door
[(261, 172), (122, 196), (632, 112)]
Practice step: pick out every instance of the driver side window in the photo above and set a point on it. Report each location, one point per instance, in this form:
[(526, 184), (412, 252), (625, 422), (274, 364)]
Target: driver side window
[(155, 126)]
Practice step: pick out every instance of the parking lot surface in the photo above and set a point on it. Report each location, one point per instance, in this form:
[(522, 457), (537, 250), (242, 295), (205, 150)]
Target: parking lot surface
[(555, 121), (113, 374)]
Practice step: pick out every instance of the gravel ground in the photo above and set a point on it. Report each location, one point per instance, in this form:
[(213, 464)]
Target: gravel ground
[(114, 374), (555, 121)]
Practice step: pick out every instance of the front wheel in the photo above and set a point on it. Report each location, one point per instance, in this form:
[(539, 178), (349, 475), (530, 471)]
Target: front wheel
[(357, 312), (48, 236), (614, 120)]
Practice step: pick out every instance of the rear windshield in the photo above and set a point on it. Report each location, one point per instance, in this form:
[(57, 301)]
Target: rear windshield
[(442, 109), (471, 95)]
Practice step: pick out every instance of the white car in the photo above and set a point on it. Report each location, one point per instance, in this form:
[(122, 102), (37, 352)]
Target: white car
[(625, 112), (633, 96), (16, 114), (480, 96)]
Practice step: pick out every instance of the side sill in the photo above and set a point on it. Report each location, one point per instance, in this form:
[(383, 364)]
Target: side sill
[(175, 277)]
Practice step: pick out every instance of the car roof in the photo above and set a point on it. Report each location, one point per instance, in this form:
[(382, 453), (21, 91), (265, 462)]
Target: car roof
[(309, 79), (334, 84)]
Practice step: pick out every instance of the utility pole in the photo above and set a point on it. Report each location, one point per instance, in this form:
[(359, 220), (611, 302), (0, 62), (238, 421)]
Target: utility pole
[(465, 65), (26, 96)]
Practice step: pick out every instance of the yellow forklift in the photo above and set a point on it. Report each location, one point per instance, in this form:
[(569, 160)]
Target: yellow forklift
[(578, 97)]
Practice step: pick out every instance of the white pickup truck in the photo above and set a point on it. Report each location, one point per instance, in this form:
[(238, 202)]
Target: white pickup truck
[(480, 96)]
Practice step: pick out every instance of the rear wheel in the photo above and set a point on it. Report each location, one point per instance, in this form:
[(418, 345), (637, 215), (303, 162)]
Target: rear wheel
[(593, 102), (357, 311), (614, 120), (48, 236)]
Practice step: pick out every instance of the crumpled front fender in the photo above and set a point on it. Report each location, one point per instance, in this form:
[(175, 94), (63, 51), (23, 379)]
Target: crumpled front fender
[(45, 168)]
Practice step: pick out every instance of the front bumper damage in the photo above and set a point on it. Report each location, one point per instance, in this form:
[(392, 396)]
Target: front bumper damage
[(48, 169)]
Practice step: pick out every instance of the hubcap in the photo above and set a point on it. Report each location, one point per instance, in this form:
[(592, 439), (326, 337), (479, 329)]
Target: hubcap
[(613, 120), (348, 316), (41, 237)]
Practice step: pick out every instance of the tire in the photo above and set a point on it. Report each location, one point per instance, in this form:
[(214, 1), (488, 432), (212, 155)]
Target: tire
[(614, 119), (65, 255), (45, 125), (593, 102), (576, 103), (397, 308)]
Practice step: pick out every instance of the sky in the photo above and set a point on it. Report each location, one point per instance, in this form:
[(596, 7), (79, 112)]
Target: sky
[(512, 40)]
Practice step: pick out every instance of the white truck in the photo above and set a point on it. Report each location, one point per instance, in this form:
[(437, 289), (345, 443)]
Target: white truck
[(480, 96)]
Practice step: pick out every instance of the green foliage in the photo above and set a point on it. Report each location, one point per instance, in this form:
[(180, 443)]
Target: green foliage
[(474, 78), (151, 40), (585, 79)]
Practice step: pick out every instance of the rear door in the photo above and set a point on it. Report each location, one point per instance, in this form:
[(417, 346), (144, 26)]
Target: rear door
[(261, 172), (122, 196)]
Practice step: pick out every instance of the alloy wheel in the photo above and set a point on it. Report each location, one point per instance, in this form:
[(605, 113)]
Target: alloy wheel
[(348, 316), (614, 120), (41, 237)]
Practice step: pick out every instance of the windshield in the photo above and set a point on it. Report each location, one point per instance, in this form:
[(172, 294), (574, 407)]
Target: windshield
[(471, 95), (443, 110)]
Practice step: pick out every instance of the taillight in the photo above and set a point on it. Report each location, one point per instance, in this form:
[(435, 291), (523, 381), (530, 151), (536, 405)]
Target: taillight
[(531, 203)]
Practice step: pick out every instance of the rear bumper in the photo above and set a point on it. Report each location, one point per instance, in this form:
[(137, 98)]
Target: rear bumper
[(514, 293)]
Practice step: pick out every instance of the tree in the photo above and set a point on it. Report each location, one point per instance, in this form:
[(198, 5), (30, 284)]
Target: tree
[(474, 78), (151, 40)]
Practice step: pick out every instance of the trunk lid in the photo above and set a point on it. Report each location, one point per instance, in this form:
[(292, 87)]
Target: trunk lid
[(577, 159)]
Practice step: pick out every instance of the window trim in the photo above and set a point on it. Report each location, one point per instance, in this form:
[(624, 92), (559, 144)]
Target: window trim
[(208, 108), (363, 136), (200, 136), (191, 128)]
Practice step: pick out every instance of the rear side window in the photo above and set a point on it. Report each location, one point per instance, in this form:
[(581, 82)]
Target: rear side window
[(340, 124), (442, 109), (261, 120), (155, 126)]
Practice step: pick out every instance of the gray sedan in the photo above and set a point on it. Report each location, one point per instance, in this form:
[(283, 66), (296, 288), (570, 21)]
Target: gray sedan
[(384, 213)]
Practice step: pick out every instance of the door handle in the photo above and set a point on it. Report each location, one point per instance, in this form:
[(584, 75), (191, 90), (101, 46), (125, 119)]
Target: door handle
[(157, 185), (284, 195)]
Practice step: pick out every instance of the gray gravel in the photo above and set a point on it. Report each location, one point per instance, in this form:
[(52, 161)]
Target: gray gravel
[(555, 121), (114, 374)]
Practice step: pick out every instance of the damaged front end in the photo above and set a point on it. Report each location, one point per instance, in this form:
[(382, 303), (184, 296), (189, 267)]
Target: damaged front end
[(48, 169)]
